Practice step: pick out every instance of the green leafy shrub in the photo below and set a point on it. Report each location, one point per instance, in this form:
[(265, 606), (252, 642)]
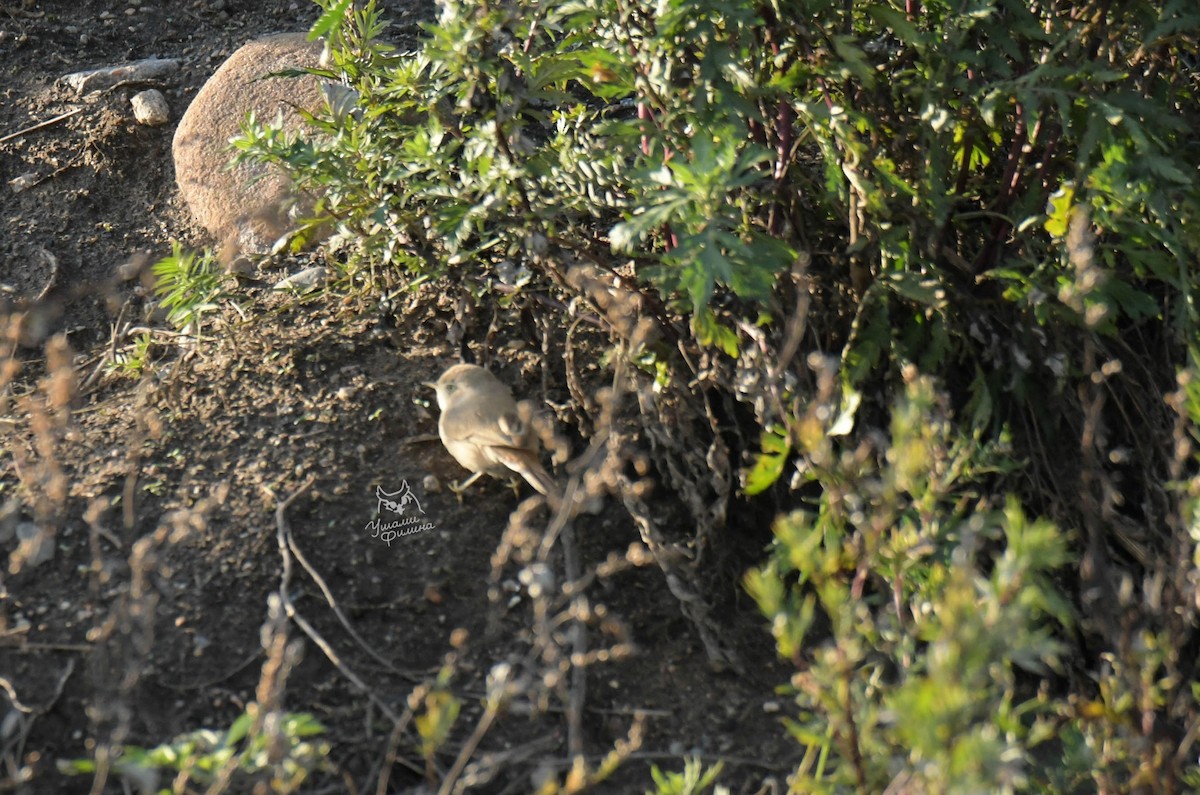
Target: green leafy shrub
[(188, 285), (934, 602), (995, 197), (694, 780), (285, 755), (919, 167)]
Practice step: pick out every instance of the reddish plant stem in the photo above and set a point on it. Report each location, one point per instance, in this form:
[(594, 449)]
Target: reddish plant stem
[(670, 239), (1052, 138), (784, 136), (1013, 162), (1009, 182), (783, 146), (856, 757), (758, 132), (783, 154), (644, 115)]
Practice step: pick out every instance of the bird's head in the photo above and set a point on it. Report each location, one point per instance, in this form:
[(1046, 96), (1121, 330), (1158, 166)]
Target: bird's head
[(460, 380)]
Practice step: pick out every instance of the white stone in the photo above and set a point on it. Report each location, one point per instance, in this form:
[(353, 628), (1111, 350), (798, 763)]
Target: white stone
[(150, 108), (23, 182), (305, 280), (97, 79), (35, 548)]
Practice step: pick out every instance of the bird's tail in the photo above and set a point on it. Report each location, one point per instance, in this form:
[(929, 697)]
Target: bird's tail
[(541, 480), (525, 464)]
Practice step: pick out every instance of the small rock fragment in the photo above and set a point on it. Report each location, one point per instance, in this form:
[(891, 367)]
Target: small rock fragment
[(35, 548), (305, 280), (150, 108), (23, 182), (96, 79)]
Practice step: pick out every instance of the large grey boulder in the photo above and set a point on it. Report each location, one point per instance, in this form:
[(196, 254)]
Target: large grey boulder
[(245, 208)]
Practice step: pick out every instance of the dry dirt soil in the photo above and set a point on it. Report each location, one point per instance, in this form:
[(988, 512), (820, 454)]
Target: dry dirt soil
[(156, 496)]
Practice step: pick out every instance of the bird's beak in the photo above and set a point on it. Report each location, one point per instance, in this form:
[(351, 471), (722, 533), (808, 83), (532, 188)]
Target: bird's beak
[(429, 384)]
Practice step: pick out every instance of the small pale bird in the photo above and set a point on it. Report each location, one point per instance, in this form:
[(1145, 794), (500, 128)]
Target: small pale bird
[(481, 427)]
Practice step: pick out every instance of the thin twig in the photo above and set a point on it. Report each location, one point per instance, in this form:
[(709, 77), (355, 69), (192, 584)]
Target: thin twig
[(283, 537), (53, 280), (490, 765), (468, 749), (11, 692), (74, 648), (564, 526), (15, 743), (337, 611), (389, 759), (135, 84), (204, 685), (112, 349), (41, 125), (578, 691), (545, 300), (646, 756)]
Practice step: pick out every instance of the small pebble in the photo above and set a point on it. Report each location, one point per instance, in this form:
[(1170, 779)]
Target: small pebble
[(305, 280), (36, 546), (23, 182), (150, 108)]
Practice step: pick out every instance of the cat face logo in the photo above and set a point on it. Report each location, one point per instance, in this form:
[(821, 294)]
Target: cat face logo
[(399, 500)]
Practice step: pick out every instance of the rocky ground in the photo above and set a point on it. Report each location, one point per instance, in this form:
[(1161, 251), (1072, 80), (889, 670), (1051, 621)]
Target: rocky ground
[(139, 615)]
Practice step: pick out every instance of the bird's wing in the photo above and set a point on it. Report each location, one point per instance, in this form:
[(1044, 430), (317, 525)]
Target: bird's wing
[(470, 423)]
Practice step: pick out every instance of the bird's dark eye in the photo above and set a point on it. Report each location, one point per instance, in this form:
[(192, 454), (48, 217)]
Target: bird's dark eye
[(451, 387)]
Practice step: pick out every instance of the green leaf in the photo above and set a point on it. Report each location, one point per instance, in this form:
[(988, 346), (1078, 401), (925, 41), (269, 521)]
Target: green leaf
[(238, 729), (1058, 208), (1134, 303), (768, 464), (332, 18), (605, 74), (851, 400), (925, 291), (899, 23), (1166, 168), (712, 333), (853, 61)]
